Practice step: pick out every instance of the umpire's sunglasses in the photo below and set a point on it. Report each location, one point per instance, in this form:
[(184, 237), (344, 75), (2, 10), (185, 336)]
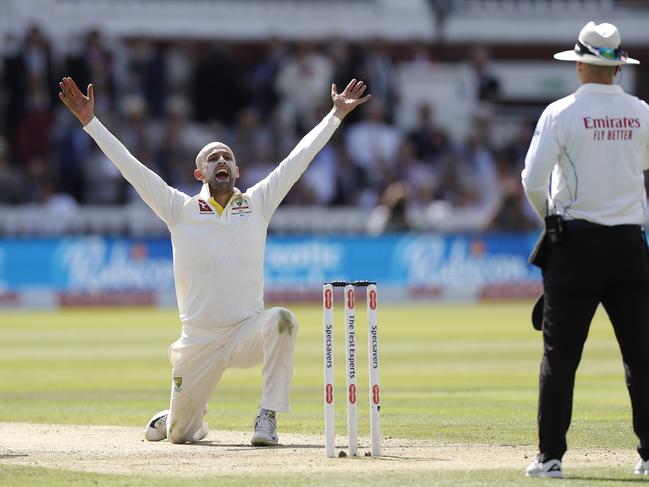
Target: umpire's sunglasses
[(607, 53)]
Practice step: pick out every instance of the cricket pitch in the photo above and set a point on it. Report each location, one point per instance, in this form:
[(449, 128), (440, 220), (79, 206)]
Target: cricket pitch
[(123, 450)]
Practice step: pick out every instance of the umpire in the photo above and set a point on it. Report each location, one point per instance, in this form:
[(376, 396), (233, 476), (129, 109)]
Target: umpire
[(584, 176)]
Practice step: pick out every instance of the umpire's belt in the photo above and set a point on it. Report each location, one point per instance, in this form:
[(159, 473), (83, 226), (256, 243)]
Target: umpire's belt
[(586, 225)]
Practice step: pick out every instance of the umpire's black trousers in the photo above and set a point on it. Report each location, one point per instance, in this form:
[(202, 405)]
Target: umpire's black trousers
[(593, 264)]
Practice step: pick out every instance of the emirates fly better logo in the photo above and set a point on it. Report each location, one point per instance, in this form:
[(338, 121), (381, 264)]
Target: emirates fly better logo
[(611, 128)]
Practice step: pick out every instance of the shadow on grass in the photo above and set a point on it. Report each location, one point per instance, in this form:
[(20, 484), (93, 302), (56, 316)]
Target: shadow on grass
[(248, 446), (638, 480), (411, 459)]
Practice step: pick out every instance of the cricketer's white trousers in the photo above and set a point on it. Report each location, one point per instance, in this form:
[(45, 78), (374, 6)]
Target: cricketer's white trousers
[(201, 355)]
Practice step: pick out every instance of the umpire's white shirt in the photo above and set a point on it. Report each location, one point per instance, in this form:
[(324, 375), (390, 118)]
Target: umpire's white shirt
[(218, 259), (595, 144)]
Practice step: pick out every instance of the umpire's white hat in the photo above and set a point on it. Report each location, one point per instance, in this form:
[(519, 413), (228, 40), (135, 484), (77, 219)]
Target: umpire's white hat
[(598, 44)]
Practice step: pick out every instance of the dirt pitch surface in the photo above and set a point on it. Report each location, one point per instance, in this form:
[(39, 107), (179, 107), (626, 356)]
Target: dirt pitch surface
[(123, 450)]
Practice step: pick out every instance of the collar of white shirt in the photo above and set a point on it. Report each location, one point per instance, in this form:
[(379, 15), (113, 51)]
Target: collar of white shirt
[(599, 88), (205, 192)]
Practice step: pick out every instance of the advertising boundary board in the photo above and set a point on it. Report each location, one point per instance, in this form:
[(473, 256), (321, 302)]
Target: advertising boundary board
[(105, 271)]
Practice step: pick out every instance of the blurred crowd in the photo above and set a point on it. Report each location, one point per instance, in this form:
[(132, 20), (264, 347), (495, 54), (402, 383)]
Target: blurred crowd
[(166, 99)]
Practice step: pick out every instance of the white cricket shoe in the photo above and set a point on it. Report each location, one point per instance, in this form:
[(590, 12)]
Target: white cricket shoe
[(265, 433), (642, 468), (156, 428), (201, 433), (551, 468)]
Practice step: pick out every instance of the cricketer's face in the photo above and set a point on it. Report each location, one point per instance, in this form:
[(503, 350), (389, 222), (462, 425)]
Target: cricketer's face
[(216, 166)]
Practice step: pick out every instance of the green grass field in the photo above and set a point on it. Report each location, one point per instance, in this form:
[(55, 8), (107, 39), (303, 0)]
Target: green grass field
[(455, 373)]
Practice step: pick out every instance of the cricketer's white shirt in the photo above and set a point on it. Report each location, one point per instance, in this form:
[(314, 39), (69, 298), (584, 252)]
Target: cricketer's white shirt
[(218, 259), (595, 144)]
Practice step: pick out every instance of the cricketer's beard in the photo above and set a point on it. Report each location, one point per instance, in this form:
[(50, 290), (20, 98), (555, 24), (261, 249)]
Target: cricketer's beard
[(216, 185)]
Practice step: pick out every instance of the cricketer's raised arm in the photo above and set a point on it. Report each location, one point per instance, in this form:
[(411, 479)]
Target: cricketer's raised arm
[(270, 191), (163, 200)]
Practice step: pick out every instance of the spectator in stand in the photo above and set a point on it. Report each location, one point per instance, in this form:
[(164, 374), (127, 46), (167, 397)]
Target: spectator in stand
[(147, 74), (515, 150), (63, 209), (381, 75), (95, 62), (391, 215), (351, 181), (282, 138), (12, 92), (469, 196), (137, 131), (515, 213), (38, 179), (318, 184), (373, 144), (71, 149), (179, 62), (10, 180), (511, 215), (258, 167), (480, 169), (487, 85), (217, 89), (177, 140), (421, 55), (249, 134), (345, 61), (263, 79), (346, 64), (33, 135), (28, 77), (103, 183), (454, 188), (421, 178), (301, 82), (136, 127), (430, 141)]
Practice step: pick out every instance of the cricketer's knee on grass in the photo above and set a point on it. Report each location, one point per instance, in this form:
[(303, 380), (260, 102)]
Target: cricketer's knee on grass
[(189, 429), (281, 322), (180, 433)]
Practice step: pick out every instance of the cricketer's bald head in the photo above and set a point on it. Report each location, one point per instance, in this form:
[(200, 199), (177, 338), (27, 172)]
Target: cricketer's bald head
[(209, 149)]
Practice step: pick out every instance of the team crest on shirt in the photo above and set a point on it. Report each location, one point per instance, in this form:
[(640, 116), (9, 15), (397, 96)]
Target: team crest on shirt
[(240, 205), (204, 208), (178, 383)]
